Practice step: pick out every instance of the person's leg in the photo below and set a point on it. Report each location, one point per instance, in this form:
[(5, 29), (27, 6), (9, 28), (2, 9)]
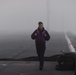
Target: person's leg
[(42, 55), (40, 52)]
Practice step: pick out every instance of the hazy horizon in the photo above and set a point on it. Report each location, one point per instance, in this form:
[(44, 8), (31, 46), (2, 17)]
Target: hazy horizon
[(17, 16)]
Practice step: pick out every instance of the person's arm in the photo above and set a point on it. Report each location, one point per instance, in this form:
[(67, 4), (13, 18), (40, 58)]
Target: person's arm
[(47, 36), (34, 34)]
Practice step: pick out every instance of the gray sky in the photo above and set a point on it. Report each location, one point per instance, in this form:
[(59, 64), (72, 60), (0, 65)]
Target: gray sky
[(63, 15), (23, 15)]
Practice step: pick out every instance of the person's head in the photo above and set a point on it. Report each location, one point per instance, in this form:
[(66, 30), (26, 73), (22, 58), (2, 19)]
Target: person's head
[(40, 25)]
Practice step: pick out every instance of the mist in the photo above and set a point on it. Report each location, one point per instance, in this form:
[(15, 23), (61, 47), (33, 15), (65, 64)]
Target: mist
[(18, 16)]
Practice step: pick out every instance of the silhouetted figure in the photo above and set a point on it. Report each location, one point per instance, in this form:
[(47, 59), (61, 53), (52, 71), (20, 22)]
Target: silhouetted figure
[(40, 35)]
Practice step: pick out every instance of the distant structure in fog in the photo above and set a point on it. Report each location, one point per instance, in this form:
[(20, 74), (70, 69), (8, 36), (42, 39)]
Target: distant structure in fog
[(48, 15)]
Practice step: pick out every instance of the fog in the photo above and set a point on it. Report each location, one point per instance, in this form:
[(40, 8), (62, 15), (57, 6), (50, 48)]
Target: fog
[(18, 16)]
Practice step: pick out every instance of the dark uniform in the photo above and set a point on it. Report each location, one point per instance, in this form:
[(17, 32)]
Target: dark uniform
[(40, 40)]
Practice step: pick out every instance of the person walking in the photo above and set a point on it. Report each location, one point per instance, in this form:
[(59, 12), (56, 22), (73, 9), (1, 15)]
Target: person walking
[(40, 35)]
